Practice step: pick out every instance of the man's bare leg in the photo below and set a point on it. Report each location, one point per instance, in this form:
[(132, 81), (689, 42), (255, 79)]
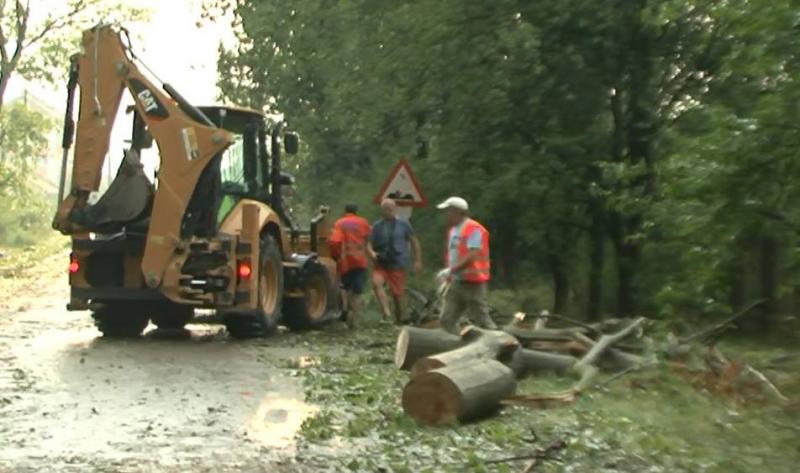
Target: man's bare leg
[(380, 294)]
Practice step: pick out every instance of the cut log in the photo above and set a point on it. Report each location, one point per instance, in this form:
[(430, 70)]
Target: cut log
[(524, 362), (567, 347), (529, 334), (458, 392), (414, 343), (478, 344)]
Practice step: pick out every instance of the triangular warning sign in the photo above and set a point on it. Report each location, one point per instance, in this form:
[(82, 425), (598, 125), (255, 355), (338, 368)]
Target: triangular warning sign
[(402, 186)]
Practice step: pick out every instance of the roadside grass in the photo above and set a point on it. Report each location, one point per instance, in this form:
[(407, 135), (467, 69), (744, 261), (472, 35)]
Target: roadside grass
[(23, 269), (650, 421), (17, 260)]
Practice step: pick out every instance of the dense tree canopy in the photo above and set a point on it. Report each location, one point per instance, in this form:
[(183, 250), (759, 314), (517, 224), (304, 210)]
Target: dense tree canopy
[(637, 155)]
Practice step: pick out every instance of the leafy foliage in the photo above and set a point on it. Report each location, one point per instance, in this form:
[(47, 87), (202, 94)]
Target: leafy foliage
[(23, 143), (36, 37), (634, 155)]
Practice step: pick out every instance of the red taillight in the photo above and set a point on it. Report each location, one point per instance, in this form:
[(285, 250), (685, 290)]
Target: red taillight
[(74, 265), (244, 270)]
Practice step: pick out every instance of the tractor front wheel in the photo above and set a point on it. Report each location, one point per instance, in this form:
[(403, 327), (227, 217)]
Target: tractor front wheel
[(318, 303)]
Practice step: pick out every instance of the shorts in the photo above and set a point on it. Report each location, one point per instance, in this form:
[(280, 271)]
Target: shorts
[(354, 280), (395, 278)]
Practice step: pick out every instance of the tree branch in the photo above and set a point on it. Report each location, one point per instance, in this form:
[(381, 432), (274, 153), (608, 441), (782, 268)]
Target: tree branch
[(58, 23), (21, 15), (3, 39)]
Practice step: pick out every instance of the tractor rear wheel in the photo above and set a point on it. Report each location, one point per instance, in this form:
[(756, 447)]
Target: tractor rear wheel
[(318, 303), (171, 316), (264, 320), (121, 319)]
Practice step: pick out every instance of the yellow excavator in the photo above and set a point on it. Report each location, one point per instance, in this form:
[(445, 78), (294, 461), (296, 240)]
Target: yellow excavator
[(210, 232)]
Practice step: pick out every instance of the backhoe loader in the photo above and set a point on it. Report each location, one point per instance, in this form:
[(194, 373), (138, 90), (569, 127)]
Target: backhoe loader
[(209, 231)]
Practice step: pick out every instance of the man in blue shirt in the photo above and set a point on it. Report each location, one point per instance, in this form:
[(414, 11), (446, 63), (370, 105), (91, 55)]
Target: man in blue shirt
[(391, 244)]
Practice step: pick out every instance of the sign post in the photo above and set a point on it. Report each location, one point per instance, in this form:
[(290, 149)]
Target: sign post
[(401, 185)]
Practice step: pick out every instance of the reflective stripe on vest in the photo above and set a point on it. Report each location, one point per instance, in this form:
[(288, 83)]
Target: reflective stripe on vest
[(478, 270)]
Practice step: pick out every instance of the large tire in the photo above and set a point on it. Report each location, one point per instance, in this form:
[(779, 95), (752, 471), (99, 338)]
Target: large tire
[(318, 303), (264, 320), (171, 316), (121, 319)]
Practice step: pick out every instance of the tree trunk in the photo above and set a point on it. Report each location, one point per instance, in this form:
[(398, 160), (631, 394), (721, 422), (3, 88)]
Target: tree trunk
[(460, 392), (768, 281), (505, 253), (737, 282), (627, 262), (478, 344), (618, 222), (414, 343), (560, 286), (3, 87), (597, 235)]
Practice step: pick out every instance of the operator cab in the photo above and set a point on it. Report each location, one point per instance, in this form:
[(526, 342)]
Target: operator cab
[(246, 169)]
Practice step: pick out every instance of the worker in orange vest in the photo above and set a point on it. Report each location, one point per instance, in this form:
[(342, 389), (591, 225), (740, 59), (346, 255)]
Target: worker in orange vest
[(348, 244), (467, 268)]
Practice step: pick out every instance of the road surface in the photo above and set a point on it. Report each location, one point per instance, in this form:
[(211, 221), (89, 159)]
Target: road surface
[(71, 401)]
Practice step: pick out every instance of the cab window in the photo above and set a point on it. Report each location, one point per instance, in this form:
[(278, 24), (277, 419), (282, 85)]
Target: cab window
[(232, 177), (232, 168)]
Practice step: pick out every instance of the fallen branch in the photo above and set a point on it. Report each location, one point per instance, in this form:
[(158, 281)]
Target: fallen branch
[(547, 453), (531, 466), (764, 380), (577, 323), (586, 368), (613, 358), (626, 371), (712, 334), (607, 341)]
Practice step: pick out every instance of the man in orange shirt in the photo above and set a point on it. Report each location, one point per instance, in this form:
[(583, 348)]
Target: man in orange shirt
[(349, 247), (468, 268)]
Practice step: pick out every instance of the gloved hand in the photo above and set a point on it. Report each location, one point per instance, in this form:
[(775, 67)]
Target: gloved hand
[(444, 274)]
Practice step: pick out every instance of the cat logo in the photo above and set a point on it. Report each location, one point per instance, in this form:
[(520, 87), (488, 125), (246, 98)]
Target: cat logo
[(149, 101)]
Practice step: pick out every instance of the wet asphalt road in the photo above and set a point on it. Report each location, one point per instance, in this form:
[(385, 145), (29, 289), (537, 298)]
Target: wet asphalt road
[(71, 401)]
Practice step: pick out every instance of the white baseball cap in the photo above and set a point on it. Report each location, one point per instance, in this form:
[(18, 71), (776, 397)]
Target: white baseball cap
[(454, 203)]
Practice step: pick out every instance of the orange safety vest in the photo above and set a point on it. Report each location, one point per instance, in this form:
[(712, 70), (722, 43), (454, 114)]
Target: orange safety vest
[(349, 242), (478, 270)]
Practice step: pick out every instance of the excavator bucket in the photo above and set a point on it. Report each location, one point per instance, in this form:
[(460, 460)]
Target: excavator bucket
[(127, 200)]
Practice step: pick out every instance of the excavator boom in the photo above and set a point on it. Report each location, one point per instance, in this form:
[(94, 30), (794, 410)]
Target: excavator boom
[(186, 140)]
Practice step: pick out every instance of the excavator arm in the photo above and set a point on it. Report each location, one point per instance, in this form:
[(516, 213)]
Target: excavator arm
[(187, 141)]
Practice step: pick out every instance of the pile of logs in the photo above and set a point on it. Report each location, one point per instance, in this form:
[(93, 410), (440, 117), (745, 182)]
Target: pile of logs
[(464, 377), (467, 376)]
